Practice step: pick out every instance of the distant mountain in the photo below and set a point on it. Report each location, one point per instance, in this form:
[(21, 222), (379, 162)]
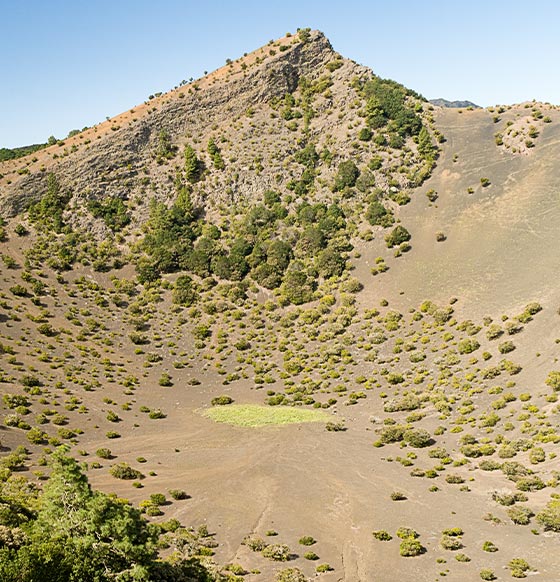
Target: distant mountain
[(456, 104), (20, 152)]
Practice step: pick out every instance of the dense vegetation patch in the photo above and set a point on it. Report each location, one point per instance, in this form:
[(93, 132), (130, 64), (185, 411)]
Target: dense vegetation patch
[(252, 415)]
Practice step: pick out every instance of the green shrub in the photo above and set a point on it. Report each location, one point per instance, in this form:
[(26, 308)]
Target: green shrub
[(453, 532), (156, 414), (488, 546), (165, 380), (530, 483), (454, 479), (392, 434), (290, 575), (407, 533), (487, 574), (506, 347), (382, 535), (335, 426), (494, 331), (323, 568), (553, 380), (254, 543), (37, 436), (417, 437), (405, 403), (112, 416), (13, 401), (307, 541), (221, 400), (467, 346), (125, 471), (138, 339), (178, 494), (520, 515), (450, 543), (277, 552), (537, 455), (47, 329), (397, 236), (519, 567), (549, 517), (158, 499), (410, 548)]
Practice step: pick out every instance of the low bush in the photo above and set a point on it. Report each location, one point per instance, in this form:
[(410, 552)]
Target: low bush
[(221, 400), (382, 535), (125, 471), (410, 548), (549, 517), (277, 552)]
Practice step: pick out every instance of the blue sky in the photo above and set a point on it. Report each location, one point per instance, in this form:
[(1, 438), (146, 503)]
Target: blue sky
[(70, 63)]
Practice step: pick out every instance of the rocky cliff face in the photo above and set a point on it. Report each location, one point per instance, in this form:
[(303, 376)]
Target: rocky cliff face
[(110, 159)]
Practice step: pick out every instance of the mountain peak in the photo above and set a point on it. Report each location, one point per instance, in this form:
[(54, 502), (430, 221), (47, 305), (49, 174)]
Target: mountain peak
[(440, 102), (85, 162)]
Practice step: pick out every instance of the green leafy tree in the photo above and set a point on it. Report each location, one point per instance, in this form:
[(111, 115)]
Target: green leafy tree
[(80, 535), (48, 211), (425, 146), (297, 287), (386, 106), (184, 292), (71, 533), (346, 177), (330, 263), (215, 154), (165, 150), (193, 165), (378, 215), (112, 211)]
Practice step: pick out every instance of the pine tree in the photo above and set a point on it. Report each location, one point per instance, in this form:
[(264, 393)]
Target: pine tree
[(192, 165), (425, 146)]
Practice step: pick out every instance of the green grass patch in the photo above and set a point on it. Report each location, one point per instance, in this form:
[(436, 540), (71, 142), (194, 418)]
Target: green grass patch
[(254, 415)]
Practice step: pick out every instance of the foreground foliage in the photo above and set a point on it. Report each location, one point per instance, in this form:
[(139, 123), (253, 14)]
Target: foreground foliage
[(68, 532)]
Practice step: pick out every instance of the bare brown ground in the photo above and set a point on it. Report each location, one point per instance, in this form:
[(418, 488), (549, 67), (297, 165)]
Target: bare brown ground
[(501, 252)]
